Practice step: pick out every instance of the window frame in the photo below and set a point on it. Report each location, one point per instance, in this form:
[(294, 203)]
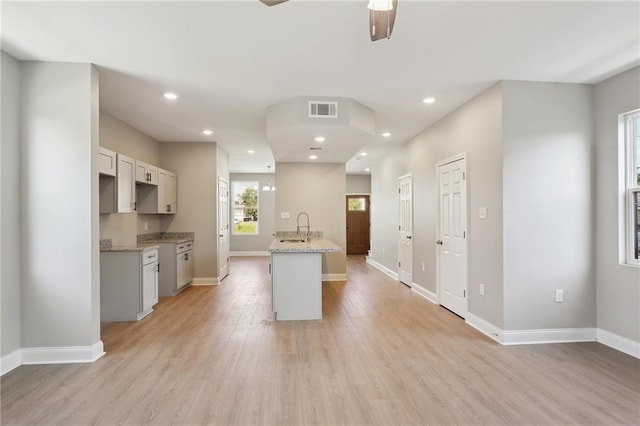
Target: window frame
[(631, 185), (256, 185)]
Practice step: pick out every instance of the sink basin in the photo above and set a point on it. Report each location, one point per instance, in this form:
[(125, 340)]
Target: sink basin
[(292, 240)]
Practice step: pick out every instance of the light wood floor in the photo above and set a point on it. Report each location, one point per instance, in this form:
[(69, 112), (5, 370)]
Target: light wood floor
[(381, 355)]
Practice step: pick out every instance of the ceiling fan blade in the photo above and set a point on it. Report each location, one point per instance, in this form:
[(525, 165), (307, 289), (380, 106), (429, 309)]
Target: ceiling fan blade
[(272, 2), (381, 22)]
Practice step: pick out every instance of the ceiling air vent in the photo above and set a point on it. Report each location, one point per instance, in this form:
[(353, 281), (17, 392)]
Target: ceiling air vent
[(321, 109)]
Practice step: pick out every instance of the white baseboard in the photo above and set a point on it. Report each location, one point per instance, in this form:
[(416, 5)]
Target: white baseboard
[(555, 335), (622, 344), (10, 361), (484, 327), (382, 268), (334, 277), (205, 281), (248, 253), (421, 291), (63, 355)]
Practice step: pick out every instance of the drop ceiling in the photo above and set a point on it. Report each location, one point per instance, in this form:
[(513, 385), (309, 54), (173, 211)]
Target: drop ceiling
[(230, 60)]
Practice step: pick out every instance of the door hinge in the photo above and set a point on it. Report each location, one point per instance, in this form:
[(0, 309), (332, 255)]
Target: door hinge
[(464, 175), (398, 264), (399, 228), (464, 293), (399, 191), (464, 234)]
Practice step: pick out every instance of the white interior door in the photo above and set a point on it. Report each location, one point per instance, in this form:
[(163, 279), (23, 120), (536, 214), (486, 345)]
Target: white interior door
[(405, 234), (223, 228), (452, 236)]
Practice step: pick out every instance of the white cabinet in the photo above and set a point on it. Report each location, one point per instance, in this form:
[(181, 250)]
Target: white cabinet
[(117, 194), (106, 162), (146, 173), (160, 199), (176, 267), (128, 284), (126, 184), (296, 280)]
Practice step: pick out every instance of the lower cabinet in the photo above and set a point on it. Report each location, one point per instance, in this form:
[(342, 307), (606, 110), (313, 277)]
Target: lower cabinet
[(128, 284), (176, 267)]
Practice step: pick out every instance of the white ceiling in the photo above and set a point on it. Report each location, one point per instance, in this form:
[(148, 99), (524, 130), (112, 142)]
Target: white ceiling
[(229, 60)]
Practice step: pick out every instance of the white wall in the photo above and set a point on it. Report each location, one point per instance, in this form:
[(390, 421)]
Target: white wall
[(618, 286), (195, 165), (358, 184), (10, 258), (548, 200), (266, 214), (60, 267), (318, 189), (475, 128)]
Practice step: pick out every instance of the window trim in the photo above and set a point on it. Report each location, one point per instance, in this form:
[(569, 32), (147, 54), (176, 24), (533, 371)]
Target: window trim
[(630, 184), (233, 203)]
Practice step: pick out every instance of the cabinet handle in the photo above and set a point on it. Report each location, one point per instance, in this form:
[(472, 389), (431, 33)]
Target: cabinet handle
[(186, 256), (168, 208), (135, 205), (158, 268)]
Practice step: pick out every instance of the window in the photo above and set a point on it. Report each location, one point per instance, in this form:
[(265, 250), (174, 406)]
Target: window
[(632, 183), (358, 204), (245, 208)]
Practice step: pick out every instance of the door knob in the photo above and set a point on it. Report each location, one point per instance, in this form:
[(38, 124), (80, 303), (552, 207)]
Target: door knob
[(439, 242)]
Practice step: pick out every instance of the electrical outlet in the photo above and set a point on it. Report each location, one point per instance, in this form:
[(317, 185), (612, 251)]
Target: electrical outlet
[(559, 296), (423, 266), (481, 289), (285, 215)]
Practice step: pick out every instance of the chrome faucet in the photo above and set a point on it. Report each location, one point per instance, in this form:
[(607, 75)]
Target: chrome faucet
[(308, 225)]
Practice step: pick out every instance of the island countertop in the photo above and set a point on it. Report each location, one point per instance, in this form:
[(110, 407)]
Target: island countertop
[(314, 245)]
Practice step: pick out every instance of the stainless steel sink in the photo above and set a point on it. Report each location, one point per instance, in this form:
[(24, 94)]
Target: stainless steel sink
[(293, 240)]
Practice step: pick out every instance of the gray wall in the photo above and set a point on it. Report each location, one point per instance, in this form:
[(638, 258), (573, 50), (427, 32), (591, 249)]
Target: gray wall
[(118, 136), (195, 165), (358, 184), (618, 286), (60, 262), (266, 212), (548, 198), (475, 128), (318, 189), (10, 258)]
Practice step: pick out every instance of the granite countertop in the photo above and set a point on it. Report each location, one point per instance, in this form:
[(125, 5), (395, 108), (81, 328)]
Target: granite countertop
[(141, 247), (165, 237), (314, 245)]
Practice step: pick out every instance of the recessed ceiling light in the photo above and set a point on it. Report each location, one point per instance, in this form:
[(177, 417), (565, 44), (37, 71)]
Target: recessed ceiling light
[(367, 169), (171, 96), (429, 100), (207, 132), (385, 134), (319, 139), (251, 151), (313, 157), (364, 154)]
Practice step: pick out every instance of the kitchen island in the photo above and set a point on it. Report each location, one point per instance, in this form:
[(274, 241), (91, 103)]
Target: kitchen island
[(296, 275)]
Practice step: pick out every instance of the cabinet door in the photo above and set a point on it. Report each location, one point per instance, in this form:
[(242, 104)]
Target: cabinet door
[(180, 270), (126, 184), (106, 162), (161, 193), (153, 174), (188, 268), (149, 286), (171, 193), (141, 172)]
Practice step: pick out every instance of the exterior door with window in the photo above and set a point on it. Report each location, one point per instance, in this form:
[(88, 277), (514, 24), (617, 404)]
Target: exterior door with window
[(223, 228), (357, 224), (405, 231), (452, 232)]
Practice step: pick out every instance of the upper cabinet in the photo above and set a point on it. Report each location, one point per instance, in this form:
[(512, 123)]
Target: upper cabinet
[(160, 199), (106, 162), (128, 185), (146, 173)]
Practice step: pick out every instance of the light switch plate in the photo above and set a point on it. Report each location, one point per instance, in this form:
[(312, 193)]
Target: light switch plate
[(285, 215), (482, 212)]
